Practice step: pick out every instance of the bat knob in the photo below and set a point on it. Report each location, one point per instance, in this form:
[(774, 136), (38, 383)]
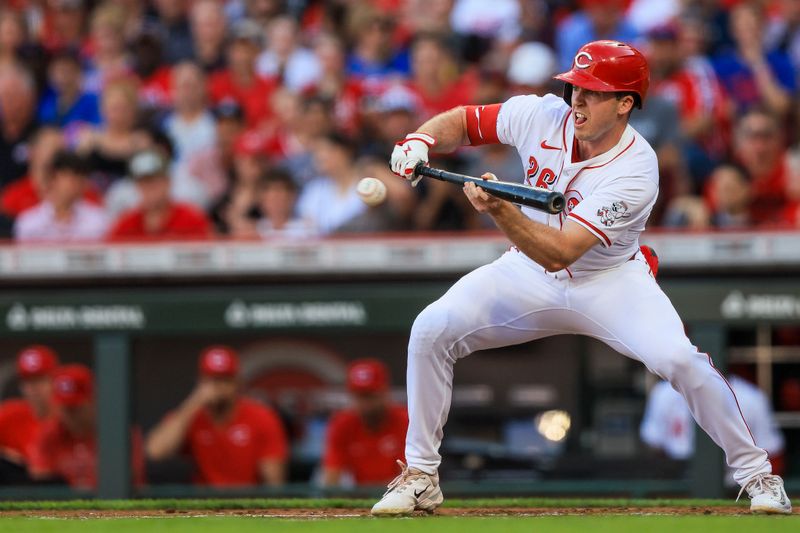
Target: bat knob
[(557, 203)]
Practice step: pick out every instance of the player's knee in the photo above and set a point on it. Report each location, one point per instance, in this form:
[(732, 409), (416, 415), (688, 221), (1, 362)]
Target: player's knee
[(432, 332), (687, 367)]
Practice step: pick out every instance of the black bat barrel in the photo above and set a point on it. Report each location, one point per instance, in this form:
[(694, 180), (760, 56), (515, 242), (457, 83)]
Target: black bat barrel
[(549, 201)]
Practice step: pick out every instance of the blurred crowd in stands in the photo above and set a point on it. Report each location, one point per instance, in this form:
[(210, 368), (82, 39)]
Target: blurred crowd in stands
[(49, 433), (165, 119)]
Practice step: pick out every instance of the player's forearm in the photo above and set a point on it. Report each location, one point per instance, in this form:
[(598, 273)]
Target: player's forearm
[(165, 440), (448, 128), (331, 477), (168, 436), (541, 243), (273, 472)]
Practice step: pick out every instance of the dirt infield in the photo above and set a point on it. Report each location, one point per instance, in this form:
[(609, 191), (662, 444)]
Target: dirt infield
[(324, 513)]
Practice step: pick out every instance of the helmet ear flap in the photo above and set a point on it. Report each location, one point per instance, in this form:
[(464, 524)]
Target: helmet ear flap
[(568, 94)]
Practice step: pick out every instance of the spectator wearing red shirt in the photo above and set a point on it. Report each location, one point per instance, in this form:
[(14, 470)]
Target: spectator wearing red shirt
[(27, 192), (233, 441), (240, 81), (64, 24), (157, 217), (435, 77), (695, 91), (367, 440), (21, 418), (758, 146), (346, 93), (66, 447)]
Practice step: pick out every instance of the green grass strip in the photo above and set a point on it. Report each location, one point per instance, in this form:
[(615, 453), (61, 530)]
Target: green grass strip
[(548, 524), (341, 503)]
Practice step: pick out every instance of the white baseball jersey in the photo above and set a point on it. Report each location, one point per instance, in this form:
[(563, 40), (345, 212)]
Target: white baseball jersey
[(611, 195), (668, 424)]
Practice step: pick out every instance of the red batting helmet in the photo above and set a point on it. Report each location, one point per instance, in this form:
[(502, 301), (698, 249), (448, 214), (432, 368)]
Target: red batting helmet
[(608, 66)]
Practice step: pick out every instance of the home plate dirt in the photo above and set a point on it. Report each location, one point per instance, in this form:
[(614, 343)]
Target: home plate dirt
[(350, 513)]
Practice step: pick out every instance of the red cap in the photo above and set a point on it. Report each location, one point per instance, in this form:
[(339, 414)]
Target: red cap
[(219, 361), (73, 385), (250, 143), (608, 66), (35, 361), (367, 375)]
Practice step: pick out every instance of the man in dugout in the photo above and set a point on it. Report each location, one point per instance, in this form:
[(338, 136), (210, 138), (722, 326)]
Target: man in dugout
[(21, 418), (66, 447), (232, 440), (365, 441)]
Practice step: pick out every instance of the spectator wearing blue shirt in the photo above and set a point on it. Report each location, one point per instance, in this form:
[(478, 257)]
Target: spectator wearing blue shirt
[(597, 19), (66, 104), (751, 75), (374, 54)]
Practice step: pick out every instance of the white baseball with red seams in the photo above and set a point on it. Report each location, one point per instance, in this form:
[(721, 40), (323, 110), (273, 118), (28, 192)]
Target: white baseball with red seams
[(372, 191), (609, 293)]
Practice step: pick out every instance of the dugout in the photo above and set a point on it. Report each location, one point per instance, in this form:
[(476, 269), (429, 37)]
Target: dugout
[(139, 314)]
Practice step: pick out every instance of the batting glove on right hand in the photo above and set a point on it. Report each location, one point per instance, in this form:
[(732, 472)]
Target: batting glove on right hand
[(408, 153)]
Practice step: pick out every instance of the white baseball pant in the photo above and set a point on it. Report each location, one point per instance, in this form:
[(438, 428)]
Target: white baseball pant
[(513, 300)]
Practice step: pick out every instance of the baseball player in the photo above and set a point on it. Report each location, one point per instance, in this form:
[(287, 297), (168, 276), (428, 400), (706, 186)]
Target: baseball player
[(366, 440), (233, 440), (564, 269), (21, 419)]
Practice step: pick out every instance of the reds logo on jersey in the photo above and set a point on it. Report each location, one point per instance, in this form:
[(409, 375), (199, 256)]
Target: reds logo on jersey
[(573, 198), (609, 215)]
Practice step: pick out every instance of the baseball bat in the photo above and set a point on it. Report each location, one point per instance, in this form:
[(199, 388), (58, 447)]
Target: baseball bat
[(536, 197)]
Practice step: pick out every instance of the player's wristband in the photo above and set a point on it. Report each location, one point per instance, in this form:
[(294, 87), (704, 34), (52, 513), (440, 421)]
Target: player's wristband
[(419, 136)]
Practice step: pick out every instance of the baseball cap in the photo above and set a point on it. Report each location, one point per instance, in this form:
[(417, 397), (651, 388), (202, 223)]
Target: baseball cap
[(219, 361), (531, 64), (663, 32), (35, 361), (367, 375), (247, 30), (72, 385), (147, 163), (397, 98)]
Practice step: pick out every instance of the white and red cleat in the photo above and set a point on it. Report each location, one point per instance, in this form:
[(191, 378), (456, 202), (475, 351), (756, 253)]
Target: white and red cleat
[(411, 491), (767, 495)]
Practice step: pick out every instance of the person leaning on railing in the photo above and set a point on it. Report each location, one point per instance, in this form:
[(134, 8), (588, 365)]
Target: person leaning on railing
[(233, 440)]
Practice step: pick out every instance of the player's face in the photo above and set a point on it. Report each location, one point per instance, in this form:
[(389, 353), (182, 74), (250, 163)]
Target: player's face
[(37, 392), (77, 418), (154, 191), (66, 187), (224, 389), (596, 113), (371, 405)]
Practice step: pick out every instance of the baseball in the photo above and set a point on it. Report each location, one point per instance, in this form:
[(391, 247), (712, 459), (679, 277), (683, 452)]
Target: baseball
[(372, 191)]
